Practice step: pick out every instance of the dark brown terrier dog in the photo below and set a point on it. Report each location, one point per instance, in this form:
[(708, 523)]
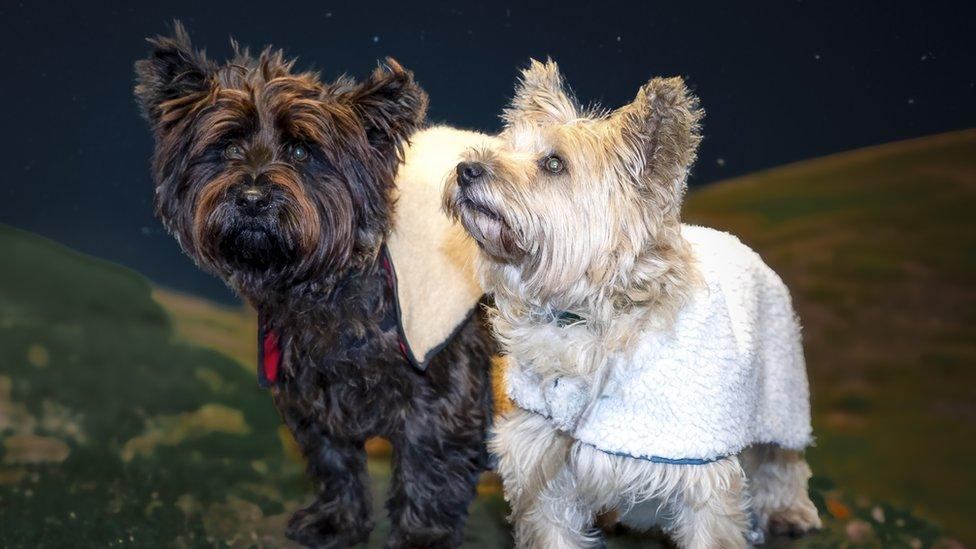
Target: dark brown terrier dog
[(280, 184)]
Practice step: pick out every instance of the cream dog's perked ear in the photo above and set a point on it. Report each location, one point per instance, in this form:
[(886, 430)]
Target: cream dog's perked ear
[(664, 125), (541, 97)]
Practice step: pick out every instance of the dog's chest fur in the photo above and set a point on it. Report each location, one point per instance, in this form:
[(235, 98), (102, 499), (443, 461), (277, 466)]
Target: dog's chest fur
[(343, 367), (551, 350)]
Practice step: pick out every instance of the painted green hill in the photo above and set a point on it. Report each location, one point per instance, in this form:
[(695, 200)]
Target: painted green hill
[(130, 415), (126, 423), (115, 431)]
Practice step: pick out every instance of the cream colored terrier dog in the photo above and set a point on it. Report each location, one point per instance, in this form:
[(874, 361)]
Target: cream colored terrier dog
[(656, 367)]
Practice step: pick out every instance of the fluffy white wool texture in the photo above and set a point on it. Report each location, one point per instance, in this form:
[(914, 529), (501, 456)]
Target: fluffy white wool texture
[(434, 259), (730, 373)]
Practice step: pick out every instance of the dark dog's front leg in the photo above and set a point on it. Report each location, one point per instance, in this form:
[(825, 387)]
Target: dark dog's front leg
[(340, 514), (434, 480)]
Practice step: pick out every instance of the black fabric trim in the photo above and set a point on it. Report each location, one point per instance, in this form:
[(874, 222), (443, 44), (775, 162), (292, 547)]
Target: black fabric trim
[(411, 358), (454, 333), (397, 313)]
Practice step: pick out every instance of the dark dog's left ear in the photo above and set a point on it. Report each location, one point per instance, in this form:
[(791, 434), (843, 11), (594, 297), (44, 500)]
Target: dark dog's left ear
[(390, 103), (664, 123), (172, 79)]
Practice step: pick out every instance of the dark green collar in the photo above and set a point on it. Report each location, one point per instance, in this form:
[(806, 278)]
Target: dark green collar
[(566, 318)]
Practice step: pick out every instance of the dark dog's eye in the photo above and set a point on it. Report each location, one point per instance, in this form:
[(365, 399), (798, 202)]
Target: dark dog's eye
[(553, 164), (299, 153), (233, 151)]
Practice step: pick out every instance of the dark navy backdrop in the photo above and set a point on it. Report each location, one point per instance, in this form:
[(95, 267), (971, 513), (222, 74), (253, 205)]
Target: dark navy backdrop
[(781, 81)]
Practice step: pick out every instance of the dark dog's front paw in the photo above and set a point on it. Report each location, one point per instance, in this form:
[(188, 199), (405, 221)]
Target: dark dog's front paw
[(424, 537), (315, 526)]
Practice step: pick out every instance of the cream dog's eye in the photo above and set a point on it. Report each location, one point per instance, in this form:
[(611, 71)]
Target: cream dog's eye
[(554, 164)]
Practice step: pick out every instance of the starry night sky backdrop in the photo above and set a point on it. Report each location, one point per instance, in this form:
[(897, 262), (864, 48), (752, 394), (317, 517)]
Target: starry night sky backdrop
[(781, 81)]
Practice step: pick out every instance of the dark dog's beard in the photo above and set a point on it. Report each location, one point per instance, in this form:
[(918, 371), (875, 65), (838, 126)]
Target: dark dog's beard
[(252, 245)]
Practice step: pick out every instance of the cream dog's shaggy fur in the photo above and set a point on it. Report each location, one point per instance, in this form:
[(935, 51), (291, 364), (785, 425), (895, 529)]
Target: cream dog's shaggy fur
[(579, 211)]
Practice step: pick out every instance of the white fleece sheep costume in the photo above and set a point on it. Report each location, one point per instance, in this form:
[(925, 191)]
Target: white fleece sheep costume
[(729, 374)]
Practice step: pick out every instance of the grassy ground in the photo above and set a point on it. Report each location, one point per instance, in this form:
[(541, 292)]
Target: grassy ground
[(130, 415)]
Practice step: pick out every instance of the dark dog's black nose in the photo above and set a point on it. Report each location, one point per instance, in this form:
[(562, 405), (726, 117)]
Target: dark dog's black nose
[(469, 172), (253, 199)]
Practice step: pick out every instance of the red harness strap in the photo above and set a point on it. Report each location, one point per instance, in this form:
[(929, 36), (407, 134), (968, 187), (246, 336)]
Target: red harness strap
[(270, 356)]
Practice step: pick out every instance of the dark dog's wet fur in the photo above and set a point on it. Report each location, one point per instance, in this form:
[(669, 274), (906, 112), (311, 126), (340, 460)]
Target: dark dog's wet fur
[(279, 184)]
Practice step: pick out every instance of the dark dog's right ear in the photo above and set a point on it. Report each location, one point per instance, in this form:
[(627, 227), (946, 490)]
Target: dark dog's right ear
[(173, 79), (390, 104)]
